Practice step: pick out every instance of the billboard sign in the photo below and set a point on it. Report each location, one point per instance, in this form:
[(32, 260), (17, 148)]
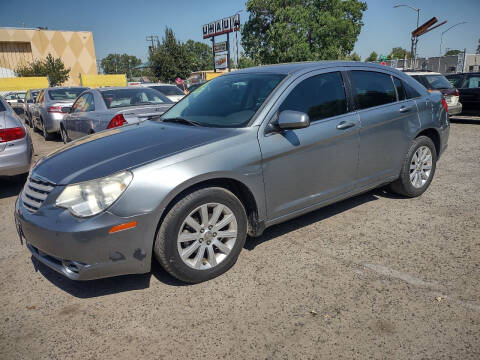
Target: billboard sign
[(220, 47), (221, 61), (222, 26)]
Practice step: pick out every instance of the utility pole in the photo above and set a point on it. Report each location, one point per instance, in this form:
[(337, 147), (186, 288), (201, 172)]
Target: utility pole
[(413, 49), (213, 50), (152, 39)]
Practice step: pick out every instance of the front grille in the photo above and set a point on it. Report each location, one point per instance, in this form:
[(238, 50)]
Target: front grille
[(35, 192)]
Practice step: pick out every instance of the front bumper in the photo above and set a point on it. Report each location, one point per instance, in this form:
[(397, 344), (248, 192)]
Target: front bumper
[(15, 159), (83, 249), (455, 109)]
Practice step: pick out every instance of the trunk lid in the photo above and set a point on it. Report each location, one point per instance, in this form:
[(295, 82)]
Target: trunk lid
[(136, 114)]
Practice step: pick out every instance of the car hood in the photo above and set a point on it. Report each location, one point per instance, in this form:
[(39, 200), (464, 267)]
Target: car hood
[(122, 148)]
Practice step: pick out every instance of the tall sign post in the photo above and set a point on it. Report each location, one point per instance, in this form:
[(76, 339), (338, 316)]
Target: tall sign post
[(220, 27)]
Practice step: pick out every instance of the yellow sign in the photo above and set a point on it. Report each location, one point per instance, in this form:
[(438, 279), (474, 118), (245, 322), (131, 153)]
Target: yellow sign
[(23, 83), (212, 75), (94, 81)]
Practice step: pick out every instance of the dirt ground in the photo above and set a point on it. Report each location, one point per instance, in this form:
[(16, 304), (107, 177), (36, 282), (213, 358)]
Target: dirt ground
[(375, 276)]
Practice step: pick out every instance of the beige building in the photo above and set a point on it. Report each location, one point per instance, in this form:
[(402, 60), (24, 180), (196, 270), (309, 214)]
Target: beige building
[(19, 46)]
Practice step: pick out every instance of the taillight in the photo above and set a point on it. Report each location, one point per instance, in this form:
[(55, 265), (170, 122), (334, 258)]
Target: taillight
[(457, 93), (118, 120), (54, 109), (444, 104), (11, 134)]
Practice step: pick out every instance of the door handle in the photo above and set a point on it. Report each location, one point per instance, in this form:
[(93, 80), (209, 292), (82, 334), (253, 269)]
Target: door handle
[(342, 125), (404, 109)]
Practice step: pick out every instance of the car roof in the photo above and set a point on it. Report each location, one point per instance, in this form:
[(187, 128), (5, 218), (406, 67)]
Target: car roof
[(421, 73), (466, 73), (108, 88), (291, 68)]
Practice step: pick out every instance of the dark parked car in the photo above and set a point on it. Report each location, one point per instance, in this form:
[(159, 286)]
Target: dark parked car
[(468, 85), (437, 82), (248, 150)]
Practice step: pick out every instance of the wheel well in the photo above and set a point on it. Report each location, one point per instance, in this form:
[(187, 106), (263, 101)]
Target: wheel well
[(433, 135), (242, 192)]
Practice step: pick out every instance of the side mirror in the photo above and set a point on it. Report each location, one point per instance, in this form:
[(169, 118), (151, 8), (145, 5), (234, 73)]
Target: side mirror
[(30, 101), (20, 101), (66, 109), (289, 120)]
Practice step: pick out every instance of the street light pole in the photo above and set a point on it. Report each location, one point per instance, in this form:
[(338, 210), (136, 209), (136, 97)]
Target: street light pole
[(413, 50), (441, 40)]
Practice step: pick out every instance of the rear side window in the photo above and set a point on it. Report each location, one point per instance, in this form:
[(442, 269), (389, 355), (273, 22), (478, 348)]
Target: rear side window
[(321, 96), (455, 80), (400, 88), (372, 89), (473, 82), (2, 108)]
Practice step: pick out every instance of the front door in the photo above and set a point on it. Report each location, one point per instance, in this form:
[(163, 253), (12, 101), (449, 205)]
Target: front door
[(308, 166)]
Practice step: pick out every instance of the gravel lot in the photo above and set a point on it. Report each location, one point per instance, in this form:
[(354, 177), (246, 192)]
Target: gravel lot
[(375, 276)]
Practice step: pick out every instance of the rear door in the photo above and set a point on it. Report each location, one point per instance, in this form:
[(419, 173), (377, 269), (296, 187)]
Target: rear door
[(385, 119), (72, 122), (471, 94)]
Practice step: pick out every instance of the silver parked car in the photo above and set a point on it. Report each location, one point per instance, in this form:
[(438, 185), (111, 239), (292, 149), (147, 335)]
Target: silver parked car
[(30, 98), (251, 149), (16, 100), (16, 147), (169, 90), (99, 109), (47, 111)]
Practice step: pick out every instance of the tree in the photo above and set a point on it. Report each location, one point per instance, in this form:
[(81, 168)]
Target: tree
[(201, 57), (52, 67), (353, 57), (398, 53), (478, 47), (170, 59), (245, 62), (372, 57), (298, 30), (452, 52), (121, 64)]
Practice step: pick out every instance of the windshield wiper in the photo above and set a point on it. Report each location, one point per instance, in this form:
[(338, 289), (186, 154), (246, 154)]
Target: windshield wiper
[(182, 121)]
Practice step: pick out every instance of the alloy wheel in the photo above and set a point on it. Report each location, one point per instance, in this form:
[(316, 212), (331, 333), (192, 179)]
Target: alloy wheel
[(207, 236), (420, 166)]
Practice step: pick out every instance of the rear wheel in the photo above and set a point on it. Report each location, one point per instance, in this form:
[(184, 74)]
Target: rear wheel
[(64, 135), (202, 235), (418, 168), (46, 135)]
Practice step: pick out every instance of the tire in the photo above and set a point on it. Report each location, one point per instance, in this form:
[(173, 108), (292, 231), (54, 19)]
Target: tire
[(64, 135), (404, 185), (167, 248), (45, 134)]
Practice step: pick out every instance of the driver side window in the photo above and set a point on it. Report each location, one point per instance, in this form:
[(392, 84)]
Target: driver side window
[(320, 96), (84, 103)]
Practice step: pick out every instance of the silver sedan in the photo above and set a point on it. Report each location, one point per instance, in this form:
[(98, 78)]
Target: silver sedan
[(99, 109), (16, 147)]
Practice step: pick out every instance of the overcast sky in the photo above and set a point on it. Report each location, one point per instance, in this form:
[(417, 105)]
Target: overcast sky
[(122, 25)]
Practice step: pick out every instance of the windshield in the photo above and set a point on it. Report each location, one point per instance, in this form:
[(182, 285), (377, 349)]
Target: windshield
[(226, 101), (115, 98), (437, 82), (168, 89), (65, 94)]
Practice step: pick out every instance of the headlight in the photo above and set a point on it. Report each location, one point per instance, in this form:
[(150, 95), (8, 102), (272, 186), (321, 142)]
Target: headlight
[(92, 197)]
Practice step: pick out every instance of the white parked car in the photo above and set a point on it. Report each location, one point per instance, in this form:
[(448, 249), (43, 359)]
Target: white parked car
[(169, 90)]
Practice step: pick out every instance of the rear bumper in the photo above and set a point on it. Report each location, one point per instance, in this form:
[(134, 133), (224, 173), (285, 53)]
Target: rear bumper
[(455, 109), (16, 157), (52, 122)]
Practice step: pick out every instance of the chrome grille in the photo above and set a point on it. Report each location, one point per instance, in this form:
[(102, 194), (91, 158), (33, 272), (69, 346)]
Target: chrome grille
[(35, 192)]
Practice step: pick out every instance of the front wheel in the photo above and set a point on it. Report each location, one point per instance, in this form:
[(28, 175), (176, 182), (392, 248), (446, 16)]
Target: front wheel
[(418, 168), (202, 235)]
